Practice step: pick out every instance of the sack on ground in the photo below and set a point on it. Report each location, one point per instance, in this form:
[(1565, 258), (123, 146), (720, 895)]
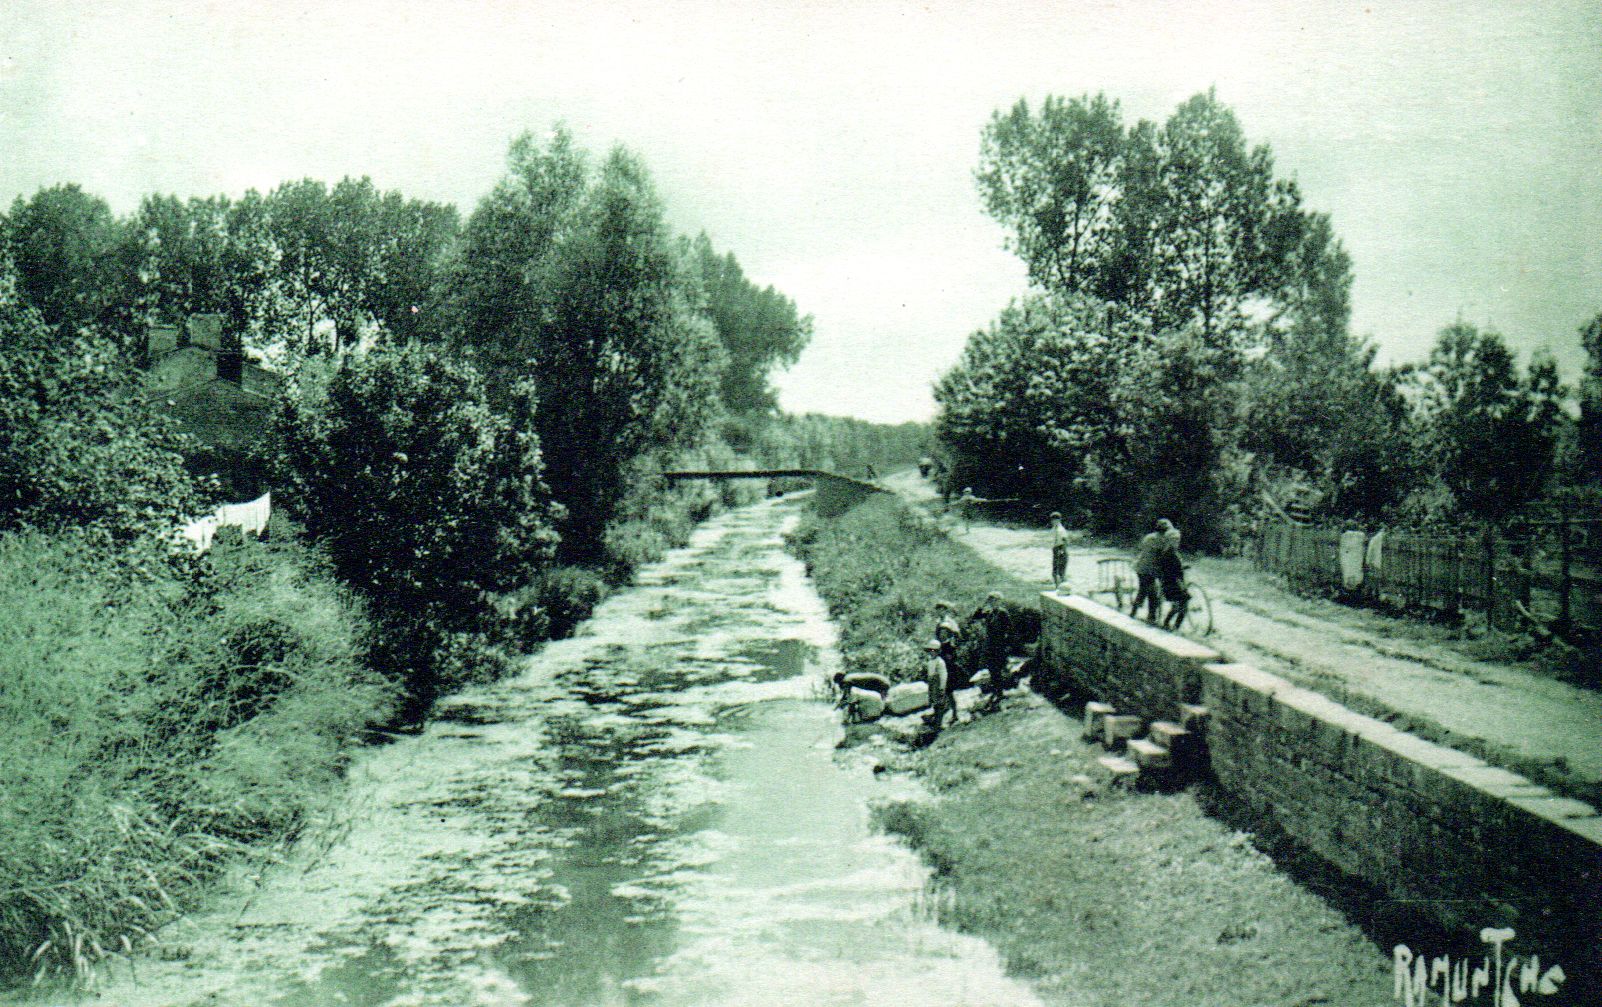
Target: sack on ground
[(907, 697), (868, 705)]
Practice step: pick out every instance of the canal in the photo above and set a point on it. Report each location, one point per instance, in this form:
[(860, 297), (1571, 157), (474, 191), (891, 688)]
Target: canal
[(654, 813)]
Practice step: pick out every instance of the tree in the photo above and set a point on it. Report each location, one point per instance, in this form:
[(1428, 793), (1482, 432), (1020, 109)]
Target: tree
[(78, 448), (429, 502), (1491, 431), (758, 326), (1588, 430), (65, 247), (568, 277), (1054, 180)]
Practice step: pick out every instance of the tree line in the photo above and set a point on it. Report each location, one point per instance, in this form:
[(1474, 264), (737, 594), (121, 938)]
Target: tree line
[(1185, 350)]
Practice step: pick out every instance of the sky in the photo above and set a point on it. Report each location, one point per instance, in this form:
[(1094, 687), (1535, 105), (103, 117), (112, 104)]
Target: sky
[(831, 145)]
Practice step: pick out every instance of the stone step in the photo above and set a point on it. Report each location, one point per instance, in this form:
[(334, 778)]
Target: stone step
[(1148, 754), (1192, 717), (1169, 735), (1094, 713), (1118, 728), (1123, 772)]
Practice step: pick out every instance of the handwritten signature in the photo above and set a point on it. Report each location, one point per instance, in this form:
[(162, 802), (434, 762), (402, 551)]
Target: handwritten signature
[(1419, 977)]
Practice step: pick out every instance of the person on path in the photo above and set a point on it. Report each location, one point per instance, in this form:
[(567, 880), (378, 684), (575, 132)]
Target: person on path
[(948, 633), (1059, 551), (997, 624), (965, 506), (1171, 575), (1151, 547), (938, 677)]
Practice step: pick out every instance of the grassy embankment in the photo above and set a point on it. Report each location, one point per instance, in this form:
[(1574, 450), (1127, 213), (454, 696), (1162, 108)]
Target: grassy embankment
[(1097, 897), (158, 722)]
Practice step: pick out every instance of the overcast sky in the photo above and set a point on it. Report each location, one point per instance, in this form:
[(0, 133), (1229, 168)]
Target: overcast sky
[(831, 145)]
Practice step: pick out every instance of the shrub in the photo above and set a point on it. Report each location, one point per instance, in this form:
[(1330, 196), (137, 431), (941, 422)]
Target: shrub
[(154, 719), (428, 500), (78, 449), (567, 595)]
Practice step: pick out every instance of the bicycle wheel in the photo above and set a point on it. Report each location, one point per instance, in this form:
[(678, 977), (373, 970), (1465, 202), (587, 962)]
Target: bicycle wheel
[(1199, 616)]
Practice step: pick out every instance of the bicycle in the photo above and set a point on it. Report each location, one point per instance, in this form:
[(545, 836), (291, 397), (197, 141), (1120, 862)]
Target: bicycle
[(1115, 576)]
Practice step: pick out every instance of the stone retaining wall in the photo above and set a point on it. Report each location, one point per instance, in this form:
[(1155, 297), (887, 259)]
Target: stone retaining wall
[(1470, 844)]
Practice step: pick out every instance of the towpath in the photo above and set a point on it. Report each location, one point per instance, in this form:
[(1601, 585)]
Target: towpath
[(1544, 728)]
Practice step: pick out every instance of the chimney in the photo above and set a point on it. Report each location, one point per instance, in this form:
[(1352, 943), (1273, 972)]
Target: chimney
[(160, 340)]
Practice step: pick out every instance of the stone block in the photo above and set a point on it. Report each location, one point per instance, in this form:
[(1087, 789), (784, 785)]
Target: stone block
[(1192, 717), (1123, 773), (1095, 713), (1119, 728), (1148, 754)]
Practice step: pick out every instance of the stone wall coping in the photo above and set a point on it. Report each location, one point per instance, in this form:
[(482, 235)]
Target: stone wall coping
[(1177, 646)]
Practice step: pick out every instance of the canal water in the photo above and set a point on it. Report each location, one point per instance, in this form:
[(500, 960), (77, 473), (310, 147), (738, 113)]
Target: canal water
[(654, 813)]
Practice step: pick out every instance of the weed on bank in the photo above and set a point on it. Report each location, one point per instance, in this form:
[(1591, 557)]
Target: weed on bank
[(1096, 897)]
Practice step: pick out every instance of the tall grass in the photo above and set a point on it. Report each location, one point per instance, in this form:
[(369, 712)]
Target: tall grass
[(881, 569), (156, 722)]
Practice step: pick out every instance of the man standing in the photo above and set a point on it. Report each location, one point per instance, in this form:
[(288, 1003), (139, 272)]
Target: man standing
[(1059, 551), (1151, 547), (938, 677), (997, 624)]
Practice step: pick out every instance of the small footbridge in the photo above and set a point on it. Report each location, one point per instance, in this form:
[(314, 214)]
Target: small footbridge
[(833, 493)]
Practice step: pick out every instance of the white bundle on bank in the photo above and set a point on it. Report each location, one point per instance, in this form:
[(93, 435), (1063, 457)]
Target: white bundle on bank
[(251, 518)]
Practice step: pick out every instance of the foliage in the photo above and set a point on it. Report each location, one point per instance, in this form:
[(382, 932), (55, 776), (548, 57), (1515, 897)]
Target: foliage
[(154, 722), (1587, 451), (78, 448), (839, 444), (1491, 432), (65, 245), (759, 329), (1181, 224), (428, 501), (1316, 412), (567, 276)]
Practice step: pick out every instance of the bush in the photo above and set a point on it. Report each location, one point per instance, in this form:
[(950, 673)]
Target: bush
[(153, 723), (78, 449), (567, 595), (428, 500)]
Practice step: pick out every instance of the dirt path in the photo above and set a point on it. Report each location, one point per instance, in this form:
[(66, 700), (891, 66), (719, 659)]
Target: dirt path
[(1387, 667)]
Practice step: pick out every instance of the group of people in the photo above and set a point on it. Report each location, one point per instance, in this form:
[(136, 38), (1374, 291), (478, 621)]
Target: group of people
[(1161, 576), (991, 631)]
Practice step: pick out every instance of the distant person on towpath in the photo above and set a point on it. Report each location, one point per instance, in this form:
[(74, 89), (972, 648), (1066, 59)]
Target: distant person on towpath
[(1059, 550)]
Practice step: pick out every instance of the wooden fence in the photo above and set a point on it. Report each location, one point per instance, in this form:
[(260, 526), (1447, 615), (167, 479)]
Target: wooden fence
[(1546, 570)]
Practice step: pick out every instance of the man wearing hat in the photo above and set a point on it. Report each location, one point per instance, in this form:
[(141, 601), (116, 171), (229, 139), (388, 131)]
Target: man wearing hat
[(938, 678), (1059, 550)]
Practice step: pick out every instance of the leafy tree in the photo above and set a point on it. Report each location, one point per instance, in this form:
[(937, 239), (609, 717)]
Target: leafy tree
[(1492, 431), (429, 502), (78, 448), (1053, 180), (1026, 409), (568, 276), (758, 326), (1314, 405), (1588, 430), (65, 246), (416, 237)]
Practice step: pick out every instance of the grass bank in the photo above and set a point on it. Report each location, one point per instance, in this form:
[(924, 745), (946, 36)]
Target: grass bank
[(160, 720), (1096, 897)]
